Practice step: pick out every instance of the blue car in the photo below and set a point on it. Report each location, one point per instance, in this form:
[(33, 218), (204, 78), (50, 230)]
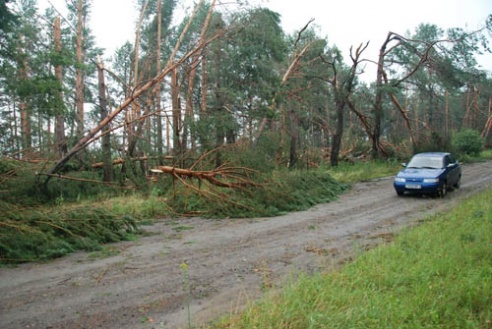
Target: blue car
[(430, 173)]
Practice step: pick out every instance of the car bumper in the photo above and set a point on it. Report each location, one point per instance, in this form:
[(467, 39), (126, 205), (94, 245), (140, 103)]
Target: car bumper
[(418, 187)]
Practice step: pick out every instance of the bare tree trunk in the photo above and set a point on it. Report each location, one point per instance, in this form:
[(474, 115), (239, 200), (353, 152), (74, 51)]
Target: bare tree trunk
[(25, 129), (135, 113), (159, 143), (204, 87), (13, 128), (168, 133), (342, 89), (487, 132), (79, 72), (336, 138), (106, 139), (446, 117), (176, 105), (294, 137), (60, 140), (378, 103), (25, 118), (404, 115)]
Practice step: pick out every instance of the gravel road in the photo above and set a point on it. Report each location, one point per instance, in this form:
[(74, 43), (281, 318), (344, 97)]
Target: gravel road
[(143, 284)]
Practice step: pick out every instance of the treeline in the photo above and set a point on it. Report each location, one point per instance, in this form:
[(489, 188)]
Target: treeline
[(224, 82)]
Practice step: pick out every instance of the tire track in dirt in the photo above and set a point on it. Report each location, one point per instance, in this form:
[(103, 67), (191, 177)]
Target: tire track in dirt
[(229, 262)]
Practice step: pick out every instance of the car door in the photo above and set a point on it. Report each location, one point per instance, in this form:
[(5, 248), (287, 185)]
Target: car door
[(452, 170)]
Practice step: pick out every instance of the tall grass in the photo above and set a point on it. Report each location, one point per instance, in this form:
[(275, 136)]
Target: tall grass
[(438, 275)]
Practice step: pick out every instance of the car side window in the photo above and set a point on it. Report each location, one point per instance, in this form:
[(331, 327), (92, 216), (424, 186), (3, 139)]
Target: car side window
[(449, 160)]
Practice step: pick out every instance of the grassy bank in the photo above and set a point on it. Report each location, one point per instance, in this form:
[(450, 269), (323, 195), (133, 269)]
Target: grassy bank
[(438, 275)]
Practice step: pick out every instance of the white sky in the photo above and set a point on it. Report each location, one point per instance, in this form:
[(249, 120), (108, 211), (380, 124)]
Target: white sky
[(343, 22)]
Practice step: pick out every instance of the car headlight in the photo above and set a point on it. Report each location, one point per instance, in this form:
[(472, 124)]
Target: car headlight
[(431, 180), (399, 180)]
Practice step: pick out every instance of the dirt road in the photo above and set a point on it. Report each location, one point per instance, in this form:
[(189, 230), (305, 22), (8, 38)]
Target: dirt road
[(144, 284)]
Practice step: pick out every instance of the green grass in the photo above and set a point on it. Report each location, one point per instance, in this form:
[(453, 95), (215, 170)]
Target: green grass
[(364, 170), (437, 275)]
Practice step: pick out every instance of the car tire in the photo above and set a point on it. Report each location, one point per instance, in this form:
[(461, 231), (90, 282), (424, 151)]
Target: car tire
[(400, 193), (458, 184), (442, 190)]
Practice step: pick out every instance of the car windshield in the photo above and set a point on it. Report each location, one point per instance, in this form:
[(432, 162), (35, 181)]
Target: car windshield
[(426, 162)]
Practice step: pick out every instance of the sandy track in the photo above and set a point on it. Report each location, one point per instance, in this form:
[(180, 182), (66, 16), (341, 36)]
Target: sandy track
[(229, 262)]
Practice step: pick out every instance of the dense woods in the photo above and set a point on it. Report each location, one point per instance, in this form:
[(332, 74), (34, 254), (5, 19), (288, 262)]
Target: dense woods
[(222, 83)]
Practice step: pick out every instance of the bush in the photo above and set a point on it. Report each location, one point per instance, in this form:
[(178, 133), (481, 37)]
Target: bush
[(467, 142)]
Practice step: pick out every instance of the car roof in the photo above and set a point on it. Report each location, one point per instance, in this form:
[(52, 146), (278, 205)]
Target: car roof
[(432, 154)]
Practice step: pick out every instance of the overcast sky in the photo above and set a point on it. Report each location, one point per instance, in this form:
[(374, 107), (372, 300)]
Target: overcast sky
[(343, 22)]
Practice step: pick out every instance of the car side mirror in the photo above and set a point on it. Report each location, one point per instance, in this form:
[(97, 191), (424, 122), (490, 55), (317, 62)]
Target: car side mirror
[(404, 164)]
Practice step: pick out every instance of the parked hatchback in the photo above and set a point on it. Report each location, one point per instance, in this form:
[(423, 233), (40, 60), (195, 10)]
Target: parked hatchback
[(429, 173)]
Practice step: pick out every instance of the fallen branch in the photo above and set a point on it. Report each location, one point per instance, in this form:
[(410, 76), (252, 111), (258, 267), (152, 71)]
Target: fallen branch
[(218, 177)]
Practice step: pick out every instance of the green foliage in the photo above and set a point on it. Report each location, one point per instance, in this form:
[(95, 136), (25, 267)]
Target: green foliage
[(25, 188), (29, 234), (7, 18), (435, 142), (468, 142), (438, 275), (360, 171), (258, 156)]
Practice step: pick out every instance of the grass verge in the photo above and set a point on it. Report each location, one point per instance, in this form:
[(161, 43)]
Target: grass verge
[(438, 275)]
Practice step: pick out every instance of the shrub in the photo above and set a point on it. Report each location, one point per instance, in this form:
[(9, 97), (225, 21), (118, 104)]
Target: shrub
[(467, 142)]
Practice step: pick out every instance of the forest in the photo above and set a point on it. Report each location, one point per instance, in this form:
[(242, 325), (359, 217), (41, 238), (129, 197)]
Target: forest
[(218, 101)]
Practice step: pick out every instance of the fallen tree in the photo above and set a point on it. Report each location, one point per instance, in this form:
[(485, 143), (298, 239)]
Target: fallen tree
[(229, 177)]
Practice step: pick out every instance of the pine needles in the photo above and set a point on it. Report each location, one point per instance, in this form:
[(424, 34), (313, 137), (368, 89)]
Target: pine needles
[(29, 234)]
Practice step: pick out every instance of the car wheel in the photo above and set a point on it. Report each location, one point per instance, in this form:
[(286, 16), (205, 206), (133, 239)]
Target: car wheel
[(442, 190), (458, 183), (400, 193)]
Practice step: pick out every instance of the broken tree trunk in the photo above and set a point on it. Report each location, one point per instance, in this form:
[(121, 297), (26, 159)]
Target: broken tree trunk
[(86, 140)]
